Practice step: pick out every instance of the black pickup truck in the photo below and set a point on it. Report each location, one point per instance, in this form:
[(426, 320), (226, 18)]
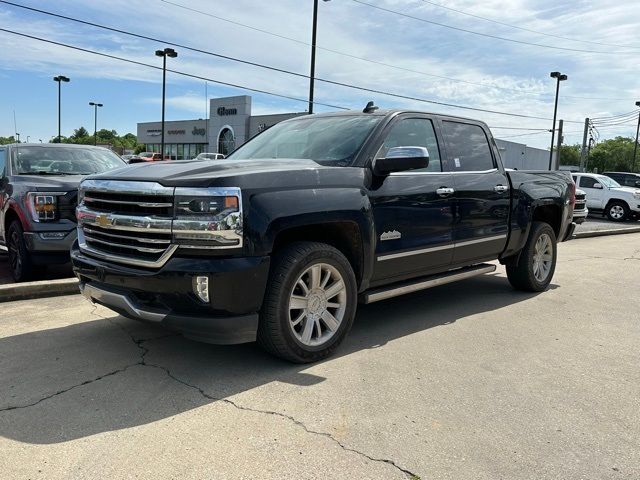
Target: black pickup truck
[(280, 242)]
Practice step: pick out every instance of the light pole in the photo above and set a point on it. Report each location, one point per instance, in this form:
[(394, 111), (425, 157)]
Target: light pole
[(313, 53), (560, 78), (95, 121), (28, 136), (635, 145), (60, 79), (18, 135), (167, 52)]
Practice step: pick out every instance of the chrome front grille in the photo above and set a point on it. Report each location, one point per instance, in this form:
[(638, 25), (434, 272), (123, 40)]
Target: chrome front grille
[(126, 222)]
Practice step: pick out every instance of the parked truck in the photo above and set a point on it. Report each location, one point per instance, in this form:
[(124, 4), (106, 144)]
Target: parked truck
[(281, 241)]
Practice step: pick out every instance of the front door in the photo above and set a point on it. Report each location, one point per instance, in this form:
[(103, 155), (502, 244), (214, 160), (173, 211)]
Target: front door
[(3, 188), (482, 196), (413, 210), (595, 196)]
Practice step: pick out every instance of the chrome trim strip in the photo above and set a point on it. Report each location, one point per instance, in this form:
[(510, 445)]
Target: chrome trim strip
[(376, 296), (123, 202), (132, 188), (121, 302), (137, 239), (120, 245), (409, 172), (129, 223), (391, 256), (410, 253)]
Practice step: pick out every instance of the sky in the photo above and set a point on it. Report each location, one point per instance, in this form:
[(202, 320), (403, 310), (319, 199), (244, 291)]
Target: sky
[(443, 51)]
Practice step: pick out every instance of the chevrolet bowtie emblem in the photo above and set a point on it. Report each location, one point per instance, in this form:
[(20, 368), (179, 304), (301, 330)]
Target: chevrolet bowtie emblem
[(104, 221)]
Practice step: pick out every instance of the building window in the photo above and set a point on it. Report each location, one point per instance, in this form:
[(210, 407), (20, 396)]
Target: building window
[(226, 142)]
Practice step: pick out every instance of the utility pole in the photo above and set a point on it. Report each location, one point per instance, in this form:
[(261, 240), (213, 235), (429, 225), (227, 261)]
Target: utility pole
[(583, 152), (312, 74), (635, 146), (557, 162)]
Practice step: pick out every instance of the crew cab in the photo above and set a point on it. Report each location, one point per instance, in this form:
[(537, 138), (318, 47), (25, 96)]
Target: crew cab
[(38, 190), (280, 242), (608, 197)]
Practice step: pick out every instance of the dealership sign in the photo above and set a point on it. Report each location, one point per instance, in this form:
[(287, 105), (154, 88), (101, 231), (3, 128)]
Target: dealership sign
[(198, 131), (223, 111), (176, 132)]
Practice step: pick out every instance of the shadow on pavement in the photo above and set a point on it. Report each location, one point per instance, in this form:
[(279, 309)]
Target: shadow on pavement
[(107, 388)]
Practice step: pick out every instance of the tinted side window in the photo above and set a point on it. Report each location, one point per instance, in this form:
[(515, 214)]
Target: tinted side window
[(630, 180), (617, 177), (3, 161), (587, 182), (468, 147), (414, 132)]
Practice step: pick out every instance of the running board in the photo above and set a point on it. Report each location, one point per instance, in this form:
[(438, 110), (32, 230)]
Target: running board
[(426, 282)]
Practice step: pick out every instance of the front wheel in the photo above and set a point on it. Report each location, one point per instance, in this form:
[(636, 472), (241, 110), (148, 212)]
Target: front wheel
[(310, 302), (537, 263), (19, 260), (617, 211)]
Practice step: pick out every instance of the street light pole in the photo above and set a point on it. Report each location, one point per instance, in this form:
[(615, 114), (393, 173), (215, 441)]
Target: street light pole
[(60, 79), (560, 78), (635, 145), (312, 75), (167, 52), (95, 121)]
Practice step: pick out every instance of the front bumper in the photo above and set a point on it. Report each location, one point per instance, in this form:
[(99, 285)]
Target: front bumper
[(49, 250), (579, 216), (166, 296)]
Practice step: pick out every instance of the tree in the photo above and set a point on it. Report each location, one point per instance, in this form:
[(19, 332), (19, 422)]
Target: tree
[(570, 154), (7, 140), (79, 134), (613, 155)]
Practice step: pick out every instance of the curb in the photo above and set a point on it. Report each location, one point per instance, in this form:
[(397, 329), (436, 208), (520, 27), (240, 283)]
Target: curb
[(30, 290), (602, 233)]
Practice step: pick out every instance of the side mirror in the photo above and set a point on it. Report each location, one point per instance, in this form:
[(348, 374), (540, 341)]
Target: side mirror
[(597, 185), (637, 183), (400, 159)]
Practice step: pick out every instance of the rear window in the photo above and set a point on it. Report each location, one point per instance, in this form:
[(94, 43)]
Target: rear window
[(468, 147)]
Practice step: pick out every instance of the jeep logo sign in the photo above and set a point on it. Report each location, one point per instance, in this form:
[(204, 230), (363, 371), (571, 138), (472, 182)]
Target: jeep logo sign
[(223, 112), (198, 131)]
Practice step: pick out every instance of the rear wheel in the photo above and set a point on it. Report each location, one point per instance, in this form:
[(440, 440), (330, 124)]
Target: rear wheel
[(537, 263), (19, 260), (617, 211), (310, 303)]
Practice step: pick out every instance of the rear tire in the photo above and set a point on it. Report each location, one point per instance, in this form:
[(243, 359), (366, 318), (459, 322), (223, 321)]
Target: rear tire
[(537, 263), (617, 211), (19, 260), (310, 302)]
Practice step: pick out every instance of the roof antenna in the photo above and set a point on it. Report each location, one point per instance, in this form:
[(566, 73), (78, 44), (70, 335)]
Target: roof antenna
[(370, 108)]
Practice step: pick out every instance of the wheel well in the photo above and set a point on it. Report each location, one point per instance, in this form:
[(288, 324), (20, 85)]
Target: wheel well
[(550, 214), (616, 200), (345, 236), (9, 217)]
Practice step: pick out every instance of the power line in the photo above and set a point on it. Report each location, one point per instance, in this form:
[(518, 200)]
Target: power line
[(380, 63), (592, 42), (190, 75), (324, 80), (495, 37)]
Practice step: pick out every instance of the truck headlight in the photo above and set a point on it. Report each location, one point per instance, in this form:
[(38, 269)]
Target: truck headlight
[(43, 206), (208, 218)]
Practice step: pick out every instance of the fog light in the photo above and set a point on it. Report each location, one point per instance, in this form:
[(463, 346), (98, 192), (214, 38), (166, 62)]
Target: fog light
[(53, 235), (201, 288)]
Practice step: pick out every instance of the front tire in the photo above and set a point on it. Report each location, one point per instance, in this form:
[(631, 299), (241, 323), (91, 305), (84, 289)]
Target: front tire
[(617, 211), (19, 260), (537, 263), (310, 303)]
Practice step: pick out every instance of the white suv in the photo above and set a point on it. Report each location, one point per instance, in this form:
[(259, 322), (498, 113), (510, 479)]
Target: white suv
[(606, 195)]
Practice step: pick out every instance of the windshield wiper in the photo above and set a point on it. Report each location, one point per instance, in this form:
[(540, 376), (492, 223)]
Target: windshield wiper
[(42, 172)]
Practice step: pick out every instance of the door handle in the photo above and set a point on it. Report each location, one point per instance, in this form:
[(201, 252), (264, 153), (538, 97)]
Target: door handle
[(445, 191), (500, 188)]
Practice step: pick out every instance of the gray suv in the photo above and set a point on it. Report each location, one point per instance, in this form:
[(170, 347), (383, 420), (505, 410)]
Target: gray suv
[(625, 179), (38, 196)]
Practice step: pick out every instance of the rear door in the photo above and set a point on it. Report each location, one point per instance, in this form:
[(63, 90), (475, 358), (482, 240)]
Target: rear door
[(482, 196), (413, 210)]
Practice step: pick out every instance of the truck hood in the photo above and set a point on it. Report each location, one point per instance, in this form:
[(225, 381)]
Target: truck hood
[(627, 190), (239, 173), (44, 183)]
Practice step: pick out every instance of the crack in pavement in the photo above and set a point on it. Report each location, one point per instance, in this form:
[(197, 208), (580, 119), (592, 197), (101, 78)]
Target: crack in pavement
[(142, 362)]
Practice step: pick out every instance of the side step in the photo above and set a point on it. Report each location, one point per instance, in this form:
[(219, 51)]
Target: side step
[(426, 282)]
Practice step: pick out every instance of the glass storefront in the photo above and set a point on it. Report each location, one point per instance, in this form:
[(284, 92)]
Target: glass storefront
[(178, 151)]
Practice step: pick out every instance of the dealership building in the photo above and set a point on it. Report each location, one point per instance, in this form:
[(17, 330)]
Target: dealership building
[(230, 124)]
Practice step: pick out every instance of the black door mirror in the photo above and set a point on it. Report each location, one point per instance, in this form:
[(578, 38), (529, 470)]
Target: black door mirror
[(400, 159)]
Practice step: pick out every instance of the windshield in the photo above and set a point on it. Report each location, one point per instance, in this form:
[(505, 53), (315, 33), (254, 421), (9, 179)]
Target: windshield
[(608, 182), (63, 161), (326, 140)]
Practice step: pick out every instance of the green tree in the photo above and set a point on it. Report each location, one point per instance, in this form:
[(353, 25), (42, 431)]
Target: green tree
[(570, 154), (7, 140), (614, 154)]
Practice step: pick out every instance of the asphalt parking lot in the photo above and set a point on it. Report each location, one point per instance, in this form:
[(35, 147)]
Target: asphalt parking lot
[(467, 381)]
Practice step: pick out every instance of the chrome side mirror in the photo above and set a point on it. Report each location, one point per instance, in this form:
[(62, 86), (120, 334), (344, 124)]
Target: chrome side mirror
[(400, 159)]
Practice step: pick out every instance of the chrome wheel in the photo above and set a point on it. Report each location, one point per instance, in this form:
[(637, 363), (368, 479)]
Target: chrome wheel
[(542, 257), (616, 212), (317, 304)]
